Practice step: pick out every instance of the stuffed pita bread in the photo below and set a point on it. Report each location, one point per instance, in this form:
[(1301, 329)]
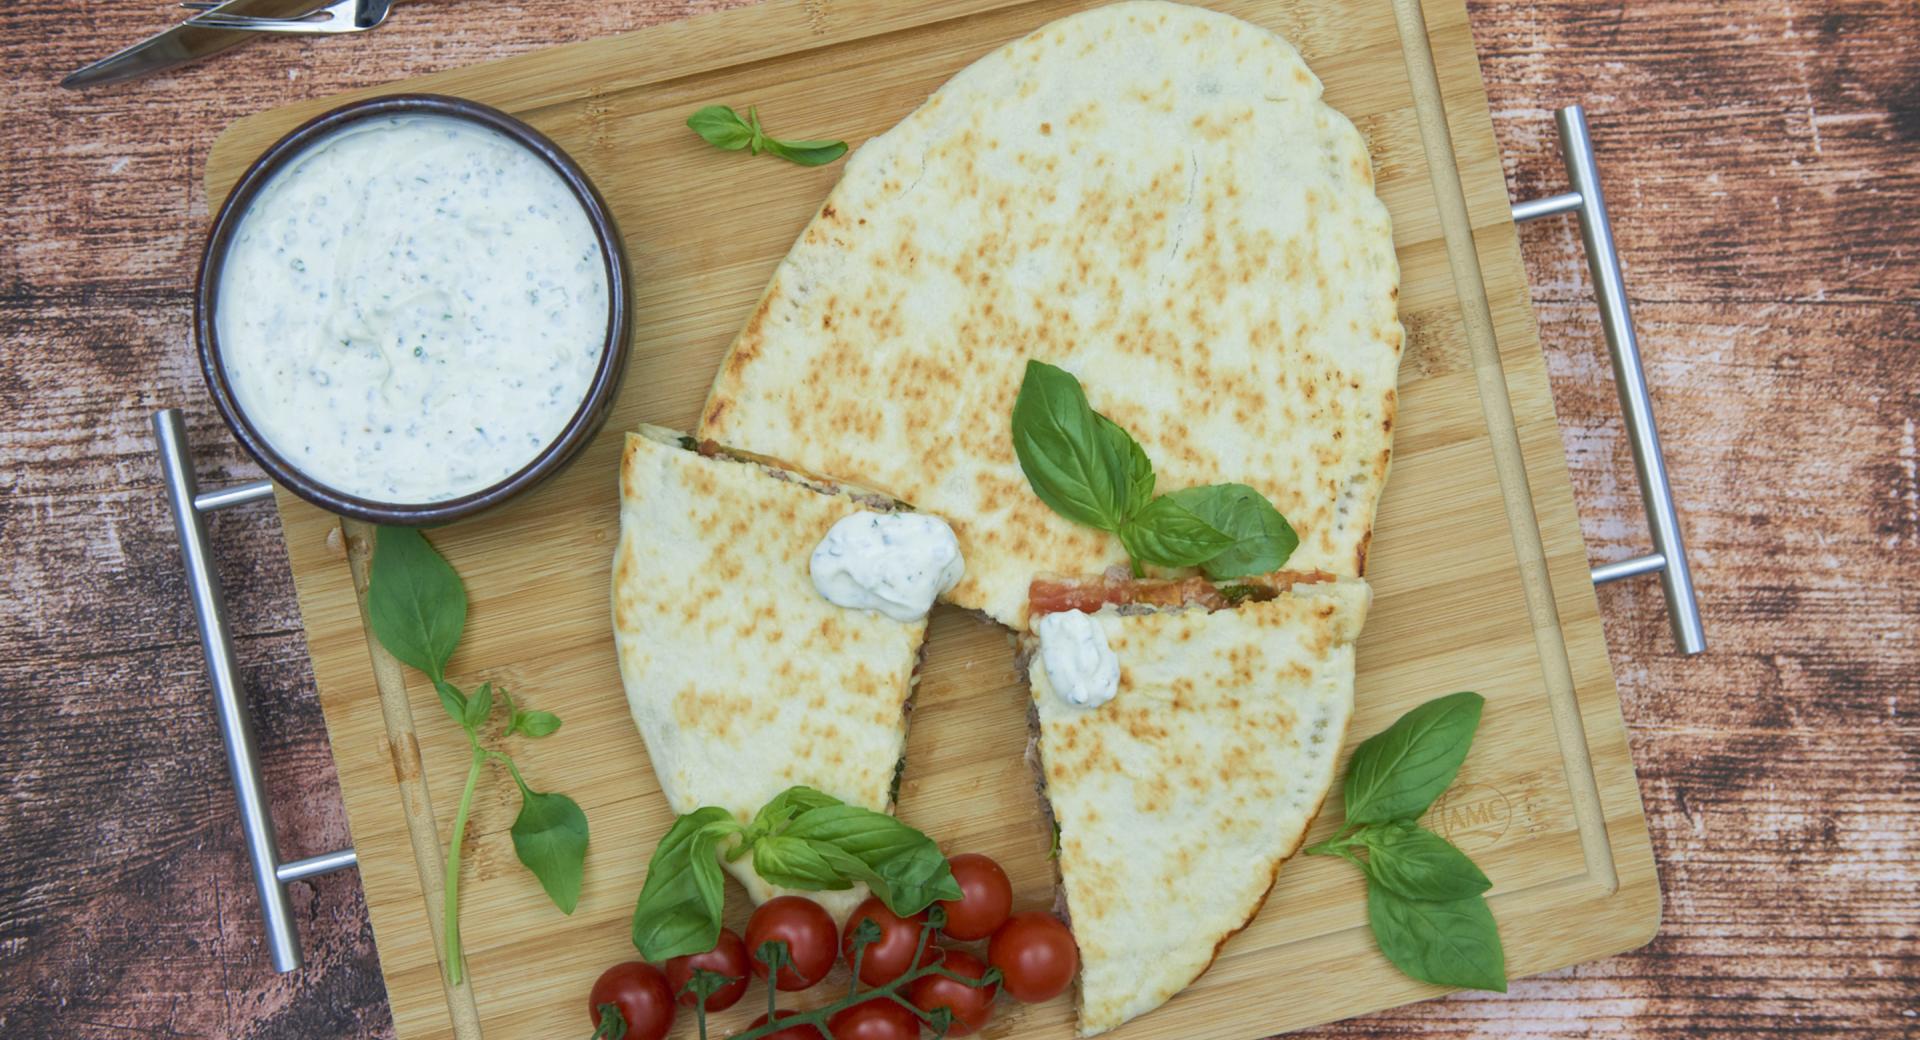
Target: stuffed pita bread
[(1179, 799), (1150, 195), (742, 679)]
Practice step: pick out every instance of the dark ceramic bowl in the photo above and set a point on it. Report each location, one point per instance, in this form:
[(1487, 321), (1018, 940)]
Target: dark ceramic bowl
[(586, 420)]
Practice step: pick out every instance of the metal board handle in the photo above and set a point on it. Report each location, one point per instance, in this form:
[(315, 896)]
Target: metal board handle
[(190, 506), (1669, 556)]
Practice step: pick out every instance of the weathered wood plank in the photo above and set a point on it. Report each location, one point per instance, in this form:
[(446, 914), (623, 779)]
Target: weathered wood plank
[(1762, 162)]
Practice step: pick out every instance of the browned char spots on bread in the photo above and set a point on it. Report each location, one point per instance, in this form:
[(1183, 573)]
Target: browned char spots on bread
[(1272, 878)]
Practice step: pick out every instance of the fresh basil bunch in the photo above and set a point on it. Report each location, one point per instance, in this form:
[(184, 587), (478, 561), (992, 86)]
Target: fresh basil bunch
[(1425, 897), (417, 607), (723, 128), (1088, 469), (802, 839)]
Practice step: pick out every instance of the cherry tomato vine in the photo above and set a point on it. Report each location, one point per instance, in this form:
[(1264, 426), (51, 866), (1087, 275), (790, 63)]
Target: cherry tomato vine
[(774, 955)]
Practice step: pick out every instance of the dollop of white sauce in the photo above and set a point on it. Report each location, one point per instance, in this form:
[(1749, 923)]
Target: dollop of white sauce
[(412, 309), (1080, 665), (895, 563)]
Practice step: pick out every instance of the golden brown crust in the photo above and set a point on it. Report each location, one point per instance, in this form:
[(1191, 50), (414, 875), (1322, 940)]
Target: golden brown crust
[(714, 551), (1272, 878), (1197, 781), (1241, 325)]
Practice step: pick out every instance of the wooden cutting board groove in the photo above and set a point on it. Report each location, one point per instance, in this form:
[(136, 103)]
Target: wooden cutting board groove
[(1478, 565), (1557, 672)]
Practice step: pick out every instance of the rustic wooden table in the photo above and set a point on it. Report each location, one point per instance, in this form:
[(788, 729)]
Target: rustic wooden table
[(1763, 164)]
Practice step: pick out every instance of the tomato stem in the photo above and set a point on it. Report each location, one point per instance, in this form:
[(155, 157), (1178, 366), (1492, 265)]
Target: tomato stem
[(613, 1024), (774, 954), (894, 990), (865, 934), (451, 908), (703, 984)]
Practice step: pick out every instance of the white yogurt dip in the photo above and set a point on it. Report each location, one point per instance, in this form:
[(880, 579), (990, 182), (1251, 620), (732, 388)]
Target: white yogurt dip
[(412, 309), (1081, 667), (895, 563)]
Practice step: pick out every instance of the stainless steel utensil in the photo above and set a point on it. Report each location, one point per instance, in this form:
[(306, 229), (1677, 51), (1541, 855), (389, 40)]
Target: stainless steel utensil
[(341, 16), (181, 44)]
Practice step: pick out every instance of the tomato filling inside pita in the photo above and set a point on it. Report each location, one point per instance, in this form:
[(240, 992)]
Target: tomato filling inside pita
[(1051, 595)]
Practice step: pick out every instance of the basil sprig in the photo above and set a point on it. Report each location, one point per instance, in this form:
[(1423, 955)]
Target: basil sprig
[(901, 865), (417, 608), (802, 839), (1425, 897), (1087, 468), (1397, 773), (1450, 943), (1079, 465), (1415, 862), (680, 903), (723, 128)]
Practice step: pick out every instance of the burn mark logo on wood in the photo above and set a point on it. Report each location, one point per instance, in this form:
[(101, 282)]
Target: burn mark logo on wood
[(1472, 816)]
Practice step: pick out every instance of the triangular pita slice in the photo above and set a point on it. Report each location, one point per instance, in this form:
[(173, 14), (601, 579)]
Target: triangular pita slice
[(1150, 195), (1179, 799), (742, 679)]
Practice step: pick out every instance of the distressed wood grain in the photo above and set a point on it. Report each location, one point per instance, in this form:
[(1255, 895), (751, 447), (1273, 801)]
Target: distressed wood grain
[(1762, 162)]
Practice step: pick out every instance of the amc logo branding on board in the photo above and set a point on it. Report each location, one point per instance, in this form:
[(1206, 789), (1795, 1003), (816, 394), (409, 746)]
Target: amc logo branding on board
[(1472, 816)]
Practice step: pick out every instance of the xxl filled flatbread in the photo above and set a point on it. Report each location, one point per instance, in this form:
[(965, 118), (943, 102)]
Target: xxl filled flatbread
[(1179, 799), (1150, 195), (742, 679)]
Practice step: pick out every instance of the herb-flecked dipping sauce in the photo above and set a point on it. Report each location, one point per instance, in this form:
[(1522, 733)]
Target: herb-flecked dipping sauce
[(412, 309)]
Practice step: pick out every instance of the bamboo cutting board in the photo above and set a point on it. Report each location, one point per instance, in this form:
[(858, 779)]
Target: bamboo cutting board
[(1478, 566)]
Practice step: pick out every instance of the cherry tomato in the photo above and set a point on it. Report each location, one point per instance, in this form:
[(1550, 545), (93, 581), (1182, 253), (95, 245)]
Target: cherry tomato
[(799, 1032), (888, 957), (640, 991), (877, 1019), (1036, 955), (985, 897), (971, 1005), (728, 957), (809, 933)]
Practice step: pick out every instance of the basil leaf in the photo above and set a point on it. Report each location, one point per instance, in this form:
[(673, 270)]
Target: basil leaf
[(1069, 462), (452, 700), (1419, 864), (1139, 467), (759, 137), (535, 724), (679, 907), (1449, 943), (415, 602), (721, 127), (806, 153), (1259, 539), (914, 879), (899, 883), (550, 837), (903, 866), (478, 706), (783, 807), (1397, 773), (1169, 534), (798, 863)]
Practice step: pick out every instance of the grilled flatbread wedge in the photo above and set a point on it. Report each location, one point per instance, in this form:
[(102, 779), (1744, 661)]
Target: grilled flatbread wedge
[(1178, 800), (1150, 195), (742, 679)]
